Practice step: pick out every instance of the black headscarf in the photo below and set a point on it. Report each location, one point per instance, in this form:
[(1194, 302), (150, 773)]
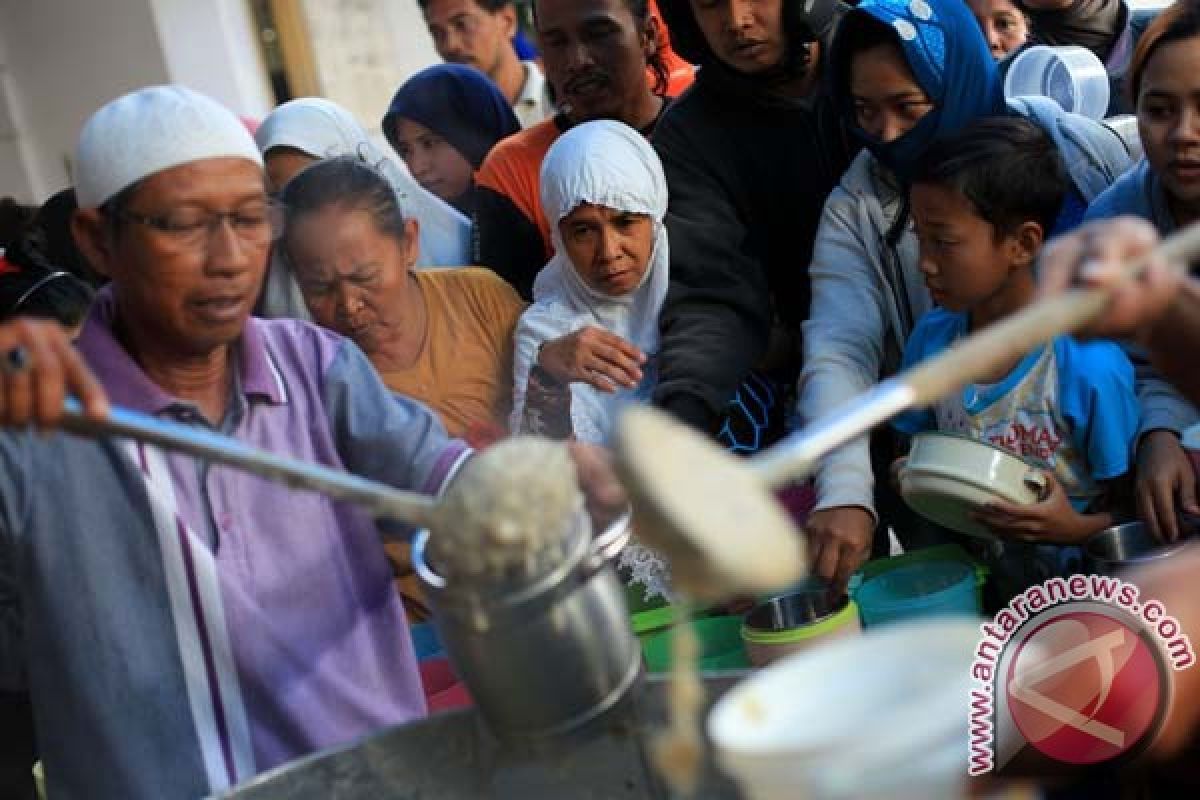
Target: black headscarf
[(47, 243), (1094, 24), (803, 22)]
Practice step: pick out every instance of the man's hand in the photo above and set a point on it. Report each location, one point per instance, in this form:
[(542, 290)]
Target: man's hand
[(1166, 484), (839, 541), (39, 367), (593, 356), (1094, 256), (605, 496)]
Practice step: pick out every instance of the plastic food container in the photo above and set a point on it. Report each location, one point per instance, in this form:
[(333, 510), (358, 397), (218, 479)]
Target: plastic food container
[(794, 621), (947, 478), (720, 645), (878, 715), (1071, 76), (919, 590)]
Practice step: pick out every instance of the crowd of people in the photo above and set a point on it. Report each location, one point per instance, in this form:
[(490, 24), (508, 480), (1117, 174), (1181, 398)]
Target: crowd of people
[(746, 222)]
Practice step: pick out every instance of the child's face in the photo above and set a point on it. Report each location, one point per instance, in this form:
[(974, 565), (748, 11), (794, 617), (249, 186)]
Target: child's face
[(1004, 26), (962, 261)]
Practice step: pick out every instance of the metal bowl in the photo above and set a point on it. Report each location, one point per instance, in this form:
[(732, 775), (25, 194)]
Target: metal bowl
[(810, 602), (1128, 544)]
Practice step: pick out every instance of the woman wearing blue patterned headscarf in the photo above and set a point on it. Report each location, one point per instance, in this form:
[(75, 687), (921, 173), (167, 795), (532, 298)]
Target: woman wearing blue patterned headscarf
[(937, 49), (443, 122), (905, 73)]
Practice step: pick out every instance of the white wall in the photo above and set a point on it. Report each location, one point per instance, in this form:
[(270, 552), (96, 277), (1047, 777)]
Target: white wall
[(60, 60), (365, 49), (210, 46), (66, 58), (14, 156)]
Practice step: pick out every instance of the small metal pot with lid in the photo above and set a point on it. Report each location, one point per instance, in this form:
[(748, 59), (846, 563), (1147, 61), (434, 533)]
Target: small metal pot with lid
[(545, 655)]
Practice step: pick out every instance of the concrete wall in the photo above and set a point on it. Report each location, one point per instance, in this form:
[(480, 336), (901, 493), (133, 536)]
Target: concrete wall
[(15, 162), (210, 45), (365, 49), (60, 60), (65, 59)]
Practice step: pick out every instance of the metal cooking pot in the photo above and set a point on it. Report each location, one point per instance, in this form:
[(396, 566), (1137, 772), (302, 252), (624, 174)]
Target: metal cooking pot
[(544, 658), (1128, 544)]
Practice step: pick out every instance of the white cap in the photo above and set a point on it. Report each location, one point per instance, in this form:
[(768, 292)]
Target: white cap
[(148, 131)]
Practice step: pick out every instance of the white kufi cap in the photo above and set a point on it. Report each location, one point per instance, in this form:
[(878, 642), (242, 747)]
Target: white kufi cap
[(151, 130)]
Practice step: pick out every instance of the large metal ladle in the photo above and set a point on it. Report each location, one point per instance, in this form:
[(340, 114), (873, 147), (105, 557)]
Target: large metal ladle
[(381, 500), (715, 515)]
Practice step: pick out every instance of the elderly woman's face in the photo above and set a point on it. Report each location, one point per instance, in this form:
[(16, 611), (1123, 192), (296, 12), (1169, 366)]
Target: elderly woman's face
[(1003, 24), (609, 249), (189, 253), (354, 276)]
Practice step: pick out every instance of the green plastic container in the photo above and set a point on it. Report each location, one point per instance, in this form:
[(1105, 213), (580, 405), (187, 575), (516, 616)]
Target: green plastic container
[(720, 645)]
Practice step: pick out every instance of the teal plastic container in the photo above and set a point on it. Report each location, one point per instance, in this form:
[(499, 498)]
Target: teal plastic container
[(919, 589)]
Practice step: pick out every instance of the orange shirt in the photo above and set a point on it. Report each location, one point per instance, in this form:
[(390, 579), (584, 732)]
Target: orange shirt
[(513, 168), (464, 371)]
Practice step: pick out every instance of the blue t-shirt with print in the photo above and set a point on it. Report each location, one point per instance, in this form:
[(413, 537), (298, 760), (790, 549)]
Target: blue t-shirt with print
[(1070, 405)]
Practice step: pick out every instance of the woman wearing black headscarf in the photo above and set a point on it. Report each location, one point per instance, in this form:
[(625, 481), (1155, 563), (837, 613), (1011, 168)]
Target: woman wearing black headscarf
[(443, 122)]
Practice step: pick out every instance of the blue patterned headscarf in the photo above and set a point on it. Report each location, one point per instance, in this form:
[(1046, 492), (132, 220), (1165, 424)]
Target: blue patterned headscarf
[(949, 59)]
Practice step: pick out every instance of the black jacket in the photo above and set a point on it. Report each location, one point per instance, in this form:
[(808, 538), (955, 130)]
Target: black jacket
[(748, 174)]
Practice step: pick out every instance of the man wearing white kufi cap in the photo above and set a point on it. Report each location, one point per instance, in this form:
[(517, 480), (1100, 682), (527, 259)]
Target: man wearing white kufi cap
[(181, 626)]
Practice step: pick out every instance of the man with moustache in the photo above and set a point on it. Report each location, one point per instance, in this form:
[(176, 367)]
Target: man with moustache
[(182, 626), (596, 53)]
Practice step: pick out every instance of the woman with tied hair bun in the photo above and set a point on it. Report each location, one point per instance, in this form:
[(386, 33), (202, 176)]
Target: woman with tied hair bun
[(303, 131)]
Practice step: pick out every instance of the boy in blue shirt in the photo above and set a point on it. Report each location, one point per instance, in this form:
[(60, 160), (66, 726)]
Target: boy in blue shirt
[(983, 201)]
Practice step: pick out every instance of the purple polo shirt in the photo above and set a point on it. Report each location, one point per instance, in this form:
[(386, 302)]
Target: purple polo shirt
[(306, 607)]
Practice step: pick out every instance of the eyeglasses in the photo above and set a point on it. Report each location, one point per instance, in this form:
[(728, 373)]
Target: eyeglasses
[(257, 224)]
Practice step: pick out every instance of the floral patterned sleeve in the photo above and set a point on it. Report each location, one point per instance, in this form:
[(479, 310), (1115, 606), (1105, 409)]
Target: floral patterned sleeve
[(547, 409)]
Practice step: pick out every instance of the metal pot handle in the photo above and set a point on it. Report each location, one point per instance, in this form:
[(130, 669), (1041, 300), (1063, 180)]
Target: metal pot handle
[(1036, 480), (421, 565), (607, 546), (604, 548)]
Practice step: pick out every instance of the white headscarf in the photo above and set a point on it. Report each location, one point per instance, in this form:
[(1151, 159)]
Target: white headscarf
[(609, 164), (323, 129)]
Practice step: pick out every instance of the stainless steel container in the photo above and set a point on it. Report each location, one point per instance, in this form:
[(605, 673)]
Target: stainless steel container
[(544, 658), (809, 602), (1126, 545), (808, 614)]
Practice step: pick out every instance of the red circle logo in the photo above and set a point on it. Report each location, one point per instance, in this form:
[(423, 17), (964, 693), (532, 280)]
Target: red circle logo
[(1084, 687)]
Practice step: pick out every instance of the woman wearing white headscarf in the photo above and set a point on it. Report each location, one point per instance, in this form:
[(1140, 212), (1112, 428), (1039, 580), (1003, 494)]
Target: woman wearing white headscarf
[(586, 348), (302, 131), (591, 335)]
